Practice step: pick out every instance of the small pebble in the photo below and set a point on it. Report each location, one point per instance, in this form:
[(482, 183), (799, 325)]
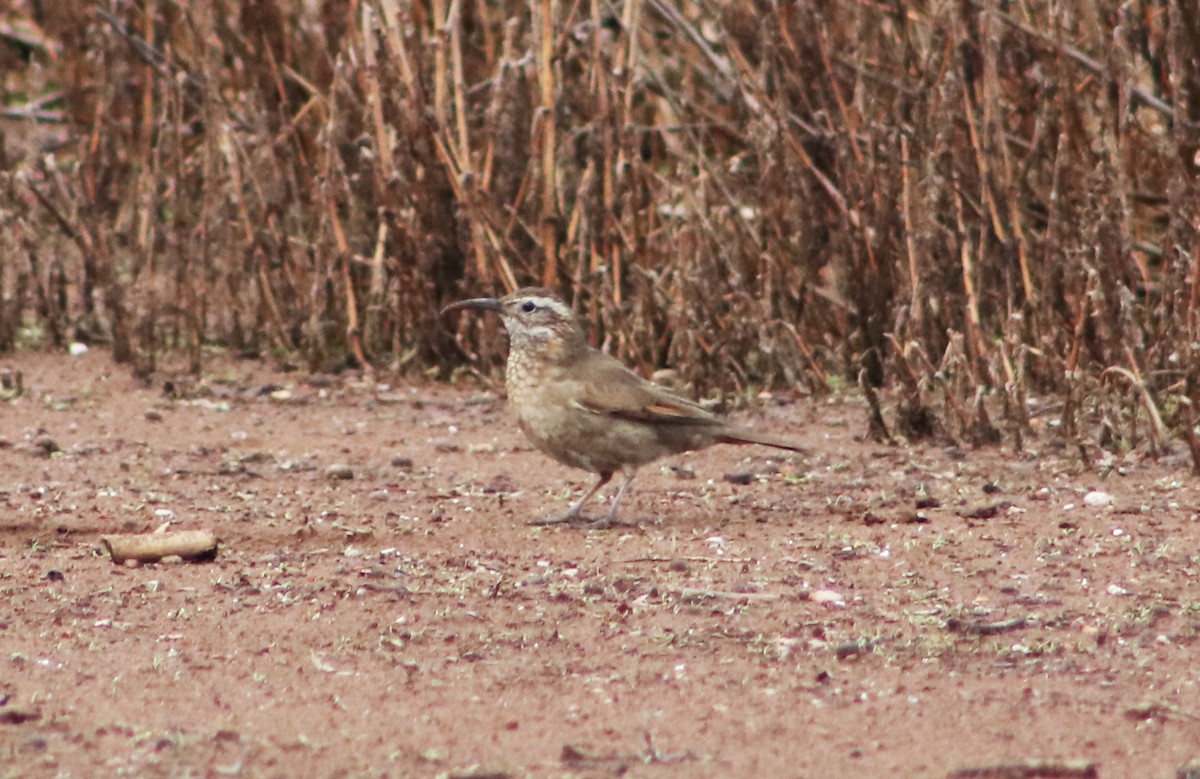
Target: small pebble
[(501, 483), (46, 445), (339, 472), (849, 649), (1097, 499), (15, 715), (827, 597)]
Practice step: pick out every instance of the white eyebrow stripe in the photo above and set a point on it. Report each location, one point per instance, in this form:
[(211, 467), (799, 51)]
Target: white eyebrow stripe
[(554, 305)]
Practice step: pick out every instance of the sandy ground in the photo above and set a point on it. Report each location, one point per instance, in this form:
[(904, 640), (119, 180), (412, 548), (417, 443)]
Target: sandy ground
[(867, 611)]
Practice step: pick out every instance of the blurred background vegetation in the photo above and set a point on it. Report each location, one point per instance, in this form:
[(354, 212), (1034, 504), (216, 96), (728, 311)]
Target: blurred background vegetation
[(989, 208)]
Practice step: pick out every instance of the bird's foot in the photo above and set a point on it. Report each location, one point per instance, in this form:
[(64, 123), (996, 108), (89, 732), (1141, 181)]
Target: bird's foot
[(603, 523), (565, 519)]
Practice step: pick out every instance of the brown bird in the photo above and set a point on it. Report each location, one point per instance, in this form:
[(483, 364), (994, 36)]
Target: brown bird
[(587, 410)]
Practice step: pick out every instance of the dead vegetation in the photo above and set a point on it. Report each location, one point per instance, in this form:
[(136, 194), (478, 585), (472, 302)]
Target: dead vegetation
[(975, 202)]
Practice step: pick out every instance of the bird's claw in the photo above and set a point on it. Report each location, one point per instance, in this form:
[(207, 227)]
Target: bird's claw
[(562, 520), (603, 523)]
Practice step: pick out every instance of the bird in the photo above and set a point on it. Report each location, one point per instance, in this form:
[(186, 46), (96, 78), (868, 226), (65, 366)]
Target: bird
[(585, 409)]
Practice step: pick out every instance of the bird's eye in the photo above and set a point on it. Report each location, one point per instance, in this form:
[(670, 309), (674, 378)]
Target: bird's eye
[(528, 306)]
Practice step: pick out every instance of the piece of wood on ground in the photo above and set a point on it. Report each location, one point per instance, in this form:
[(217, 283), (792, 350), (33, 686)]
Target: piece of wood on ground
[(1033, 769), (191, 545), (691, 594)]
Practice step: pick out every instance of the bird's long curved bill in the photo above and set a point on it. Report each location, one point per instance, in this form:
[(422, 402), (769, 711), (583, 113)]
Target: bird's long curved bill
[(486, 304)]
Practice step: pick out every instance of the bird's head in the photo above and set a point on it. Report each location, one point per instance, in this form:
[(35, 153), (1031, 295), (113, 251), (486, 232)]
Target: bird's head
[(534, 318)]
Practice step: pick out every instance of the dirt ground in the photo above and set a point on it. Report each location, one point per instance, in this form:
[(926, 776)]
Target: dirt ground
[(867, 611)]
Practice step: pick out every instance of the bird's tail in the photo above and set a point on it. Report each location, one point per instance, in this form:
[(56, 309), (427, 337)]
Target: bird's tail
[(744, 435)]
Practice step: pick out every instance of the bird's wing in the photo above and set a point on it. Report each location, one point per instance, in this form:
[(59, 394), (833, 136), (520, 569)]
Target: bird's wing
[(615, 391)]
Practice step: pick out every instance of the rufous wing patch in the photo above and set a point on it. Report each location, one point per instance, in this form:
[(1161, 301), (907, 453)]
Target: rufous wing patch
[(670, 410)]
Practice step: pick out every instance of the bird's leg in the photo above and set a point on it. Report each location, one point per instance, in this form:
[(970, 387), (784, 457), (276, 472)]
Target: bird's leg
[(573, 512), (610, 519)]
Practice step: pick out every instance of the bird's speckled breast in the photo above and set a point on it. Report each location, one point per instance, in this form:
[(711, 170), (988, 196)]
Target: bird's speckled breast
[(544, 411)]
